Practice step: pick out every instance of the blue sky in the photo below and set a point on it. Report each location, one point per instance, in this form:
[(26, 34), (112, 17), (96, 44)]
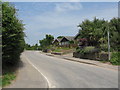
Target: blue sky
[(61, 18)]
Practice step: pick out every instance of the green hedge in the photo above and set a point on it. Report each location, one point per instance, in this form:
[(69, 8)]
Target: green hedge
[(12, 35), (88, 49), (115, 58)]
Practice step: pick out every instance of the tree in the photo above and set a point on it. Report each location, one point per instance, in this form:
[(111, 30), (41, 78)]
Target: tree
[(95, 32), (47, 41), (92, 31), (12, 35), (60, 36), (27, 46), (114, 25)]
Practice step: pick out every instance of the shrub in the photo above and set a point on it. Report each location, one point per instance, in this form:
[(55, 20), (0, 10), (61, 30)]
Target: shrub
[(104, 47), (115, 58), (85, 50), (78, 49), (89, 49)]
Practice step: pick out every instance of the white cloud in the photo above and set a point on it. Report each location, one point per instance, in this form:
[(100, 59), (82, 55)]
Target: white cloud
[(63, 7)]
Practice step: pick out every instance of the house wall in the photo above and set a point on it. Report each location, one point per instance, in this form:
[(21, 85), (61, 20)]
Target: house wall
[(64, 43)]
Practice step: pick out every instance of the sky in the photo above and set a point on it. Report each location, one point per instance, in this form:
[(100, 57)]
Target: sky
[(60, 18)]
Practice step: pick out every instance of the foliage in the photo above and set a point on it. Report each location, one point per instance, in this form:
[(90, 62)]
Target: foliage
[(12, 35), (46, 42), (27, 46), (114, 33), (85, 50), (60, 36), (115, 59), (83, 42), (7, 78), (89, 49), (104, 47), (57, 50), (92, 30), (71, 42), (0, 81), (64, 50), (33, 47), (95, 32)]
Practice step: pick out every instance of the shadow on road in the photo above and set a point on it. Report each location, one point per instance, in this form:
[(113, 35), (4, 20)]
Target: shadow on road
[(13, 69)]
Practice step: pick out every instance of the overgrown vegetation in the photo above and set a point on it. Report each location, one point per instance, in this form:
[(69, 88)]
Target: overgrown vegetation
[(0, 81), (12, 41), (12, 35), (85, 50), (62, 49), (7, 78), (115, 58), (46, 42), (95, 32), (32, 47)]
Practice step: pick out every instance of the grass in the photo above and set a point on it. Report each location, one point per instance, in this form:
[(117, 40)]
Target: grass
[(103, 61), (56, 50), (62, 49), (0, 81), (8, 74), (7, 78)]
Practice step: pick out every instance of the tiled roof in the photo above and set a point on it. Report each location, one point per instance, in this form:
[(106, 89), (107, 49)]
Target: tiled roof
[(70, 38)]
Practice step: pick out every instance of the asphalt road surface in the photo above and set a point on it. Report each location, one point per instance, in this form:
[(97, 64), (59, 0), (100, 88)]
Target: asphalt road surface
[(60, 73)]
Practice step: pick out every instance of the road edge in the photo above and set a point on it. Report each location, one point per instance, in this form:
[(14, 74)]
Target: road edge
[(48, 83), (85, 62)]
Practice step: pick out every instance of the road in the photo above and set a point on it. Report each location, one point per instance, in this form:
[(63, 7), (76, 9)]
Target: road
[(38, 70), (60, 73)]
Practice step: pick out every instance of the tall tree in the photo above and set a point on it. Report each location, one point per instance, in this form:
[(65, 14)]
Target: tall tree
[(114, 25), (49, 39), (12, 35), (92, 31)]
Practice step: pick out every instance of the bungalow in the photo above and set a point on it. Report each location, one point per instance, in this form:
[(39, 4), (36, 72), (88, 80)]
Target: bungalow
[(57, 41), (65, 40)]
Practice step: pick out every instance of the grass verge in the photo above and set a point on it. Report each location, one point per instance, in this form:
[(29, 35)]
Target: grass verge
[(0, 81), (115, 59), (7, 78), (63, 49), (9, 73), (104, 61)]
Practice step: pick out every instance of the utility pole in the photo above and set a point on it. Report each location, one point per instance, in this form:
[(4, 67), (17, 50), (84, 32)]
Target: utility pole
[(108, 44)]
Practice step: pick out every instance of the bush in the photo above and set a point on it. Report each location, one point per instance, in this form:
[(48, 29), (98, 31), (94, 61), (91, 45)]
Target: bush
[(88, 49), (104, 47), (115, 58)]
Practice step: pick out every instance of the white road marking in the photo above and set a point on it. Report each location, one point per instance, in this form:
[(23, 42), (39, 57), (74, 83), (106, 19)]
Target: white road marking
[(49, 84)]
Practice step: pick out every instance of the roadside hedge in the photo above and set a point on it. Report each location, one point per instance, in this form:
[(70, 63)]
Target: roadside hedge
[(12, 35), (85, 50), (115, 58)]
